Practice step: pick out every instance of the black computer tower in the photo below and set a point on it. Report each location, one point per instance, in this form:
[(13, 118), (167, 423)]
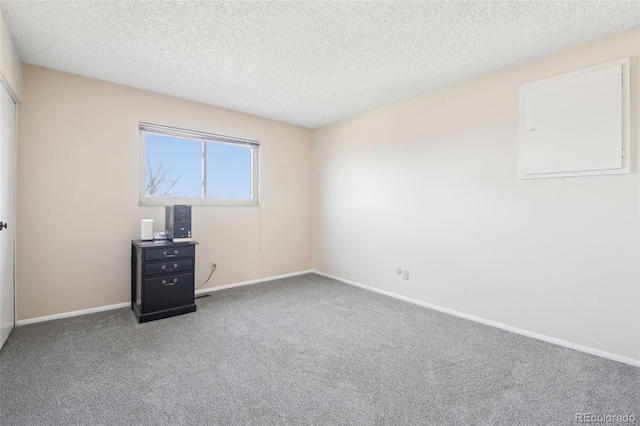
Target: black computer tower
[(178, 222)]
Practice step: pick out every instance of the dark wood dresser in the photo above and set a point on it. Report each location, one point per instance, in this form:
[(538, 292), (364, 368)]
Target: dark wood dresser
[(162, 279)]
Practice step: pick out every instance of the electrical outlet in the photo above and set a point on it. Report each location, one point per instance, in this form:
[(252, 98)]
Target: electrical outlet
[(405, 275)]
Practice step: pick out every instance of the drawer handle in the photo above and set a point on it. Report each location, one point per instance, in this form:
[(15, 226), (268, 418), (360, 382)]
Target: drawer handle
[(164, 282), (164, 267), (175, 252)]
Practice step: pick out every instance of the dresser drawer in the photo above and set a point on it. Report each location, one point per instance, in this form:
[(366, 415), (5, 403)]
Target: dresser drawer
[(169, 253), (168, 292), (168, 267)]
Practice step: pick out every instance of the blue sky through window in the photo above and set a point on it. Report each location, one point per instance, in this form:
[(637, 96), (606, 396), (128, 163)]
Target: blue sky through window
[(228, 171), (179, 160)]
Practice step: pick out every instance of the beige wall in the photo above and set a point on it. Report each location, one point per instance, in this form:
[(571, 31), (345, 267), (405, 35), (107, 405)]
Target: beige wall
[(78, 159), (430, 185), (10, 63)]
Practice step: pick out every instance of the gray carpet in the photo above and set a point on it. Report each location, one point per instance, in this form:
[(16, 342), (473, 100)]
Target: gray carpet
[(301, 350)]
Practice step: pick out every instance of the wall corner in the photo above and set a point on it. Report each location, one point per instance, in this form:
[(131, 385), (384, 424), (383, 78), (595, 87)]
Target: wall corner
[(10, 62)]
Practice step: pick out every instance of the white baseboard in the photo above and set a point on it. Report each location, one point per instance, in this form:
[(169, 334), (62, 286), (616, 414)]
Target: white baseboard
[(72, 313), (127, 304), (559, 342), (260, 280)]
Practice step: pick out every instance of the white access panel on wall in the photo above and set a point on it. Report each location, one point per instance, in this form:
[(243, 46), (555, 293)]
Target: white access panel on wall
[(576, 124)]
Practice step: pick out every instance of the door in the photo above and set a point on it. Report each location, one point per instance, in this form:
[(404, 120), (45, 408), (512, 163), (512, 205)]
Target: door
[(7, 213)]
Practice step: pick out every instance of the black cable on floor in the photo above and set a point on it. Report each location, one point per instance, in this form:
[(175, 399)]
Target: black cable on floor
[(212, 271)]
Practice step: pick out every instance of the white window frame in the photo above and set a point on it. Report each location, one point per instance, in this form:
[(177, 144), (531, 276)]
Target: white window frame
[(144, 199)]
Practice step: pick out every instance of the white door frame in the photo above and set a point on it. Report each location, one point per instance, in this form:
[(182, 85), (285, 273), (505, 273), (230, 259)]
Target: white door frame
[(14, 216)]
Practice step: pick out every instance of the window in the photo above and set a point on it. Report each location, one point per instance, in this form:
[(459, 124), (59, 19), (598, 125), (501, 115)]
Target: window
[(183, 166)]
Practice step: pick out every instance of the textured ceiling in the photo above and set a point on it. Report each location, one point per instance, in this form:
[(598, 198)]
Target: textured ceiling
[(308, 63)]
